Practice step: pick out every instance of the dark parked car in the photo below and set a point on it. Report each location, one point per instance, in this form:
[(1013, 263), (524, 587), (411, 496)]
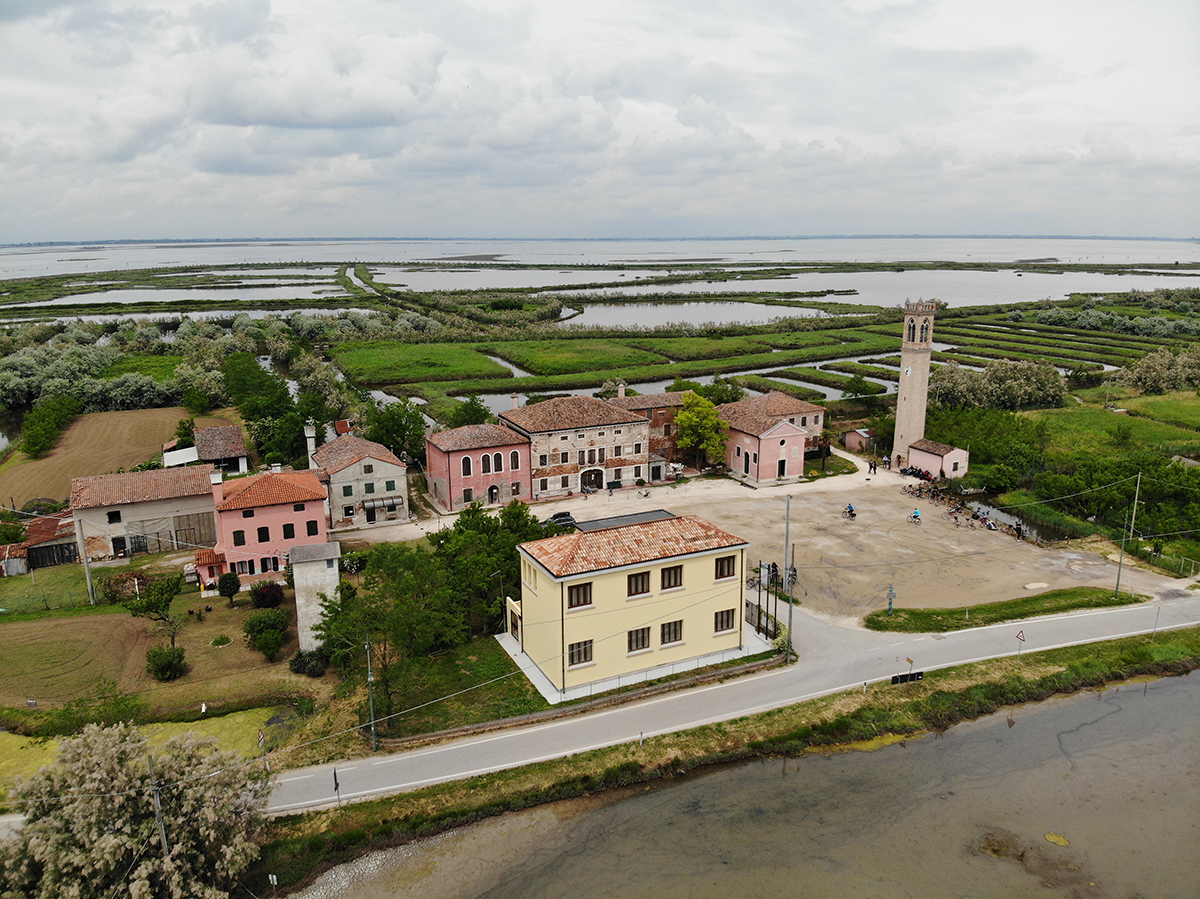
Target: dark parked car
[(562, 519)]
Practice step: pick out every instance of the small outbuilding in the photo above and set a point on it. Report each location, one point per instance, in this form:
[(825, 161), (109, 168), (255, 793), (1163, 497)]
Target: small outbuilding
[(314, 573), (938, 459)]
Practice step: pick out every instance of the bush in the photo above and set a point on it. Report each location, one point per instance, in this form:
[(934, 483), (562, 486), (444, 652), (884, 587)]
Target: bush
[(165, 662), (266, 620), (228, 585), (268, 643), (353, 563), (266, 595), (312, 662)]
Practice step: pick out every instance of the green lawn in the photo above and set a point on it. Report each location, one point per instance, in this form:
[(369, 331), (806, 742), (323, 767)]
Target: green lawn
[(925, 621), (387, 362), (505, 691), (1181, 409), (691, 348)]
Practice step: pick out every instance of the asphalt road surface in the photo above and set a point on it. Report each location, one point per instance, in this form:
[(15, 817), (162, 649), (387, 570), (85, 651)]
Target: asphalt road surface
[(832, 658)]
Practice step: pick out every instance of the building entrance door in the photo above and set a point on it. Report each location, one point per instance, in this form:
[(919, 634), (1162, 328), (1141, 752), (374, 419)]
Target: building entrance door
[(493, 494), (746, 463), (783, 468), (593, 478)]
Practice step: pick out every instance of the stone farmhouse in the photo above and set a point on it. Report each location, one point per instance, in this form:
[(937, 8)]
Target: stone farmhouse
[(143, 511), (367, 483)]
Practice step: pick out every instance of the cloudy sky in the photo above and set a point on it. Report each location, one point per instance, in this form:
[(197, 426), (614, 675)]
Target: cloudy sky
[(626, 118)]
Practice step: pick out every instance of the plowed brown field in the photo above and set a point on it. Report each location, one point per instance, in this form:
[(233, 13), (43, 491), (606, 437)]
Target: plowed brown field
[(95, 444)]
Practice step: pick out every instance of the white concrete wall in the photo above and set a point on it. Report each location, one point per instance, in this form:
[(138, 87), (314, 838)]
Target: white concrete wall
[(311, 580)]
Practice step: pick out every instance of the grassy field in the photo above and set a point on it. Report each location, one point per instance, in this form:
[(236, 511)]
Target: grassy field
[(94, 444), (560, 357), (926, 621), (370, 363), (160, 368), (1179, 409), (62, 659), (1075, 425)]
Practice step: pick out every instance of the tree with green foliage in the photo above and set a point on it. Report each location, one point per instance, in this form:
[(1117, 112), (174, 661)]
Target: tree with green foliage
[(165, 664), (479, 554), (154, 603), (858, 388), (229, 585), (91, 831), (399, 426), (470, 411), (699, 427), (720, 391), (407, 608)]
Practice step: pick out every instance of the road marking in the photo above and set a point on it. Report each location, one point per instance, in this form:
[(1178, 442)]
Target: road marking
[(897, 644), (284, 780)]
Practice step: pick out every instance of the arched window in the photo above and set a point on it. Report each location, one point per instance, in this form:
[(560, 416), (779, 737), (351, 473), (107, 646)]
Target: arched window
[(514, 461), (912, 329), (485, 464), (925, 330), (498, 463), (466, 466)]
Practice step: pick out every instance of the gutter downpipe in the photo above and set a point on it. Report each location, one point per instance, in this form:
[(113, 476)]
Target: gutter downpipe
[(562, 638)]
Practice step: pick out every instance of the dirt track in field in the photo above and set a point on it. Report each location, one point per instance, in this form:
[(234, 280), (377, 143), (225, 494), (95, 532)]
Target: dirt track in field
[(94, 444), (51, 661)]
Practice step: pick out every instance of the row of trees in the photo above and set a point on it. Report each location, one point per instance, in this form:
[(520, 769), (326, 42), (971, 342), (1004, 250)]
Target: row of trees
[(1001, 385)]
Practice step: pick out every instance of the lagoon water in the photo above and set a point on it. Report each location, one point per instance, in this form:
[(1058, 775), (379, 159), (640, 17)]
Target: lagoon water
[(30, 261), (1078, 798)]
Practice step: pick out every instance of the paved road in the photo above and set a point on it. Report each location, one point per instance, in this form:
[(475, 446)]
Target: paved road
[(832, 658)]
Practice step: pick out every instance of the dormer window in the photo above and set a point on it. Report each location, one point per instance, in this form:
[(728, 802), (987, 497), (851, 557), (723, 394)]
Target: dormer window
[(368, 469)]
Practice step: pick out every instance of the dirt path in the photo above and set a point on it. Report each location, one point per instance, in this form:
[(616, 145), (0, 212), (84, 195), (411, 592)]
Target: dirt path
[(845, 566)]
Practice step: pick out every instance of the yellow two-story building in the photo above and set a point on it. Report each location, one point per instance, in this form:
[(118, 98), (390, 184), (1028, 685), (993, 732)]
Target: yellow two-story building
[(599, 604)]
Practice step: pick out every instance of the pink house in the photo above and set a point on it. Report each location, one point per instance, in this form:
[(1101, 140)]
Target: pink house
[(760, 449), (488, 463), (259, 520), (939, 459)]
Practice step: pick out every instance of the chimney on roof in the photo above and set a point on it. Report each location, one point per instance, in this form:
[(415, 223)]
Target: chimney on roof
[(621, 391), (515, 402), (217, 480), (310, 438), (276, 467)]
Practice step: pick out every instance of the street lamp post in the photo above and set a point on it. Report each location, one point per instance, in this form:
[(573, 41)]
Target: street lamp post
[(891, 597)]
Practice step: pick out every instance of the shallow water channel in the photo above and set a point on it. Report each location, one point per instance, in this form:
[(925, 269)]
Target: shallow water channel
[(1090, 796)]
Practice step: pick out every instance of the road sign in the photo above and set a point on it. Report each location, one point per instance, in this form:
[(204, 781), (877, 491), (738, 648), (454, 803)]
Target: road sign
[(262, 739), (1021, 636), (907, 659)]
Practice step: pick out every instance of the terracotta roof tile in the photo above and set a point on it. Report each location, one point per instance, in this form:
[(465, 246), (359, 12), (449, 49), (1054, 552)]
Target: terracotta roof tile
[(632, 544), (776, 403), (649, 400), (271, 489), (344, 451), (224, 442), (13, 551), (470, 437), (741, 419), (929, 446), (207, 556), (139, 486), (568, 413), (45, 528)]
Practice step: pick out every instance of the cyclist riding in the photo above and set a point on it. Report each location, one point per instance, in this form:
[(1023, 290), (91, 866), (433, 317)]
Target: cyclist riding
[(916, 514), (850, 510)]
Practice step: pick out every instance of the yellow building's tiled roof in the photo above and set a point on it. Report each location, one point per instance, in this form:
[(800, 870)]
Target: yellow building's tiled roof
[(632, 544)]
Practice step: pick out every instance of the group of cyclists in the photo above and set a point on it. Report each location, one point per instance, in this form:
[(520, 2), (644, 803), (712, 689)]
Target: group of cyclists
[(849, 512)]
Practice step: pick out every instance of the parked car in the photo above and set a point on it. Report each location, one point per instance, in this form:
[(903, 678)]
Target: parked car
[(562, 519)]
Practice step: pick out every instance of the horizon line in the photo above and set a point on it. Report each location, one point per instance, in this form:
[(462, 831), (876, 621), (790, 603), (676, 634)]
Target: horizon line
[(377, 239)]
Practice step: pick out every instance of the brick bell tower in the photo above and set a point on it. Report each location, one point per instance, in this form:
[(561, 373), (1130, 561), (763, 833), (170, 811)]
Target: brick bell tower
[(913, 393)]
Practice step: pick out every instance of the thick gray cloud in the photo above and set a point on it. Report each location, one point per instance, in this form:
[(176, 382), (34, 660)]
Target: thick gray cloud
[(177, 118)]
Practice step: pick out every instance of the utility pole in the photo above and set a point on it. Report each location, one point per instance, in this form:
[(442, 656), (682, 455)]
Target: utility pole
[(87, 568), (162, 830), (371, 695), (787, 535), (1121, 559)]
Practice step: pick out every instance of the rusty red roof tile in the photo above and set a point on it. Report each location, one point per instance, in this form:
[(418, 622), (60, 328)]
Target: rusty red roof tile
[(223, 442), (271, 489), (632, 544), (470, 437), (568, 413), (139, 487), (344, 451)]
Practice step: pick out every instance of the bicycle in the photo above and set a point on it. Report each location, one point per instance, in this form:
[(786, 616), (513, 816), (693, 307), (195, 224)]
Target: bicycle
[(753, 582), (846, 513), (913, 519)]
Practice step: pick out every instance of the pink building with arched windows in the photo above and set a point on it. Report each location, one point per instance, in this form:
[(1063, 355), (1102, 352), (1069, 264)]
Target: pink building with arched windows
[(486, 463)]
